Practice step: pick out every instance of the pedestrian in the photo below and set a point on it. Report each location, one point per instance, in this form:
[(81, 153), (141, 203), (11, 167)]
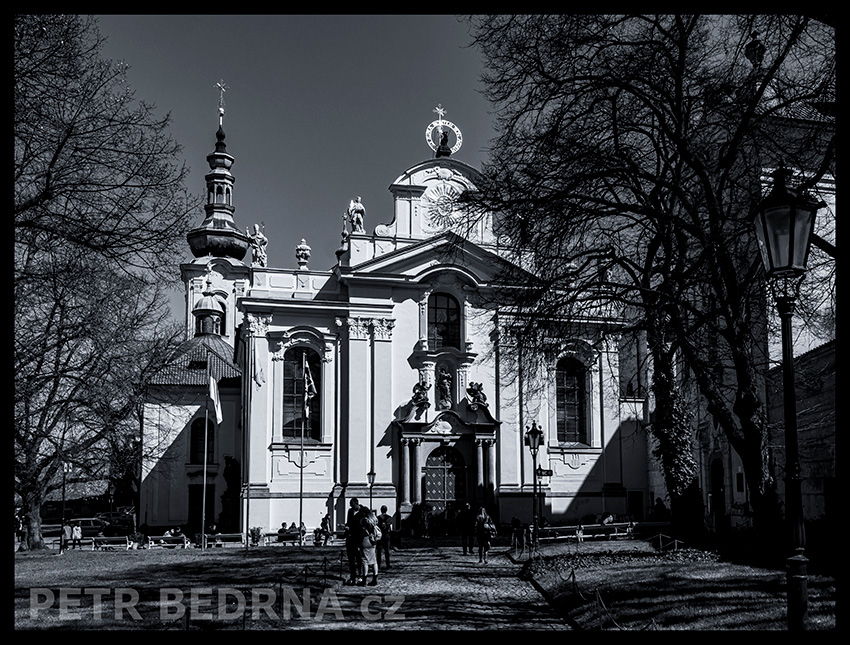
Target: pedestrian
[(427, 519), (660, 512), (65, 538), (370, 536), (518, 534), (77, 536), (353, 539), (23, 533), (385, 523), (484, 531), (326, 528), (607, 523), (466, 522)]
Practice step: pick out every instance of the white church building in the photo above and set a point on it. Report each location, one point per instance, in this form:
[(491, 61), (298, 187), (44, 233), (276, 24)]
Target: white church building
[(415, 402)]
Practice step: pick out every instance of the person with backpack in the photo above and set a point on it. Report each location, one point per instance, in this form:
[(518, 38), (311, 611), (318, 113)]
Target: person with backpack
[(371, 537), (484, 532), (385, 523)]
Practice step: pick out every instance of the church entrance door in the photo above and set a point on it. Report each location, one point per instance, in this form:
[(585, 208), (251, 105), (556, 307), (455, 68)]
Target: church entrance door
[(445, 485)]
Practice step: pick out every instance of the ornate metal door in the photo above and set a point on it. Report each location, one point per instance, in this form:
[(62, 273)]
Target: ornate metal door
[(445, 479)]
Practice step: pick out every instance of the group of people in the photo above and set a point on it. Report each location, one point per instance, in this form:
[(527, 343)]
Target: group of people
[(367, 541), (283, 531), (72, 536)]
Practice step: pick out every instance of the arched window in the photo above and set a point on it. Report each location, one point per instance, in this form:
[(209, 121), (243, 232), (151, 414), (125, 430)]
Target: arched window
[(571, 395), (295, 406), (196, 442), (443, 322)]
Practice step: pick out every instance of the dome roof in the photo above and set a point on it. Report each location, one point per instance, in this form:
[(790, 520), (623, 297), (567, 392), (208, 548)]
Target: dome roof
[(209, 303)]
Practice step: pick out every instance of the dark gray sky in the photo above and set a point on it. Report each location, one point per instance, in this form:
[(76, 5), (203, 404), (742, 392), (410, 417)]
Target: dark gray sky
[(319, 108)]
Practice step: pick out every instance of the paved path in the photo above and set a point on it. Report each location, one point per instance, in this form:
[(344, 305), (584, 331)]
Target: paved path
[(436, 587)]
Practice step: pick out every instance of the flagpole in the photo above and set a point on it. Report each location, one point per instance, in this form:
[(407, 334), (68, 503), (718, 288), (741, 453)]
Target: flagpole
[(301, 468), (246, 439), (204, 484)]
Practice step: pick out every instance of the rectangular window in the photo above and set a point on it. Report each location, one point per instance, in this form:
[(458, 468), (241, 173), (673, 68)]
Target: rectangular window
[(292, 396), (570, 384)]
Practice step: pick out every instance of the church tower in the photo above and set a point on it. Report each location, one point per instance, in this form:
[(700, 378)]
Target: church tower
[(217, 244)]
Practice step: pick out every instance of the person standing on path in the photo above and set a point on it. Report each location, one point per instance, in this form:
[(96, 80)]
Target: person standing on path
[(370, 538), (353, 539), (67, 535), (484, 530), (77, 536), (466, 526), (385, 523)]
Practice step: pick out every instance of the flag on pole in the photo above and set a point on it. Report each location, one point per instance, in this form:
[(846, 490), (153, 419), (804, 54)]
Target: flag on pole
[(309, 388), (215, 400)]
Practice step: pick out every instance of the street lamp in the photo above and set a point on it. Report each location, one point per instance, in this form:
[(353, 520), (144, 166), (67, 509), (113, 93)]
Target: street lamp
[(66, 468), (534, 439), (784, 223), (371, 476)]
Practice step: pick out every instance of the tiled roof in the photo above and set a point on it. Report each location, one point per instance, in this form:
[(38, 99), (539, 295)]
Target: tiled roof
[(188, 364)]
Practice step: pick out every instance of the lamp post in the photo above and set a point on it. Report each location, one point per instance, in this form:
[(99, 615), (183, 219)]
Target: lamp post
[(534, 439), (371, 476), (784, 224), (66, 468)]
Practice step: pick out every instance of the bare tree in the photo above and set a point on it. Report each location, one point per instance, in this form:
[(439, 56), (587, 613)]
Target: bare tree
[(629, 157), (100, 214)]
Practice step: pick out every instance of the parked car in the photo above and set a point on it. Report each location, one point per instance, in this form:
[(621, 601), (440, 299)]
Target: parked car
[(91, 526), (114, 516), (51, 529), (118, 524)]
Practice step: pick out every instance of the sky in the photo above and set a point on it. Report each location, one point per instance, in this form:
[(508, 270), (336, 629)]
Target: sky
[(319, 109)]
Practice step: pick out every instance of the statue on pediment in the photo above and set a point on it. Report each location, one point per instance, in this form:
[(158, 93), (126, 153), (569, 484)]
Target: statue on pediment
[(356, 213), (420, 395), (475, 391)]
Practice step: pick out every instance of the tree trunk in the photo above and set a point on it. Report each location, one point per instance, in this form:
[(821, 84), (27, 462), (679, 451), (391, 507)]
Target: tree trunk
[(32, 524)]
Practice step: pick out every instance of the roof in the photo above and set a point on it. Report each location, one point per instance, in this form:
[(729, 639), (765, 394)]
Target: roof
[(80, 490), (188, 364)]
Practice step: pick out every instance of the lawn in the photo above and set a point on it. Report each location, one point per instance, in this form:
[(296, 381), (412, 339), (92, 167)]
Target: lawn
[(168, 589), (629, 586)]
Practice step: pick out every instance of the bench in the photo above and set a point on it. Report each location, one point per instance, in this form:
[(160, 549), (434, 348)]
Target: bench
[(580, 533), (220, 539), (168, 542), (86, 541), (290, 537), (103, 543)]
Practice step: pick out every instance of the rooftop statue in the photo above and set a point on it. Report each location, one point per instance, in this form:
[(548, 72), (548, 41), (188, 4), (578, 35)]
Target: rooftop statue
[(356, 213)]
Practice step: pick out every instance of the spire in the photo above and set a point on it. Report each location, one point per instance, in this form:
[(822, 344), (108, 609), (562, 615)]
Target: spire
[(218, 234)]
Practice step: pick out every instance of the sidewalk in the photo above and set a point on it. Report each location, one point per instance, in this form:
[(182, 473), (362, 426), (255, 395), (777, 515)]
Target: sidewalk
[(438, 588)]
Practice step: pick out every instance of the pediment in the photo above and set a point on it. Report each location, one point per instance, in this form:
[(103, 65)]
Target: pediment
[(427, 259), (449, 422)]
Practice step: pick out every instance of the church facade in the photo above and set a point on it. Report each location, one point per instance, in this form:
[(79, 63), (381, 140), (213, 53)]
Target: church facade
[(385, 377)]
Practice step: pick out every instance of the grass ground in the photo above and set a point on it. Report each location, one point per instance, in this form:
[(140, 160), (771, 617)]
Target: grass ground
[(630, 586)]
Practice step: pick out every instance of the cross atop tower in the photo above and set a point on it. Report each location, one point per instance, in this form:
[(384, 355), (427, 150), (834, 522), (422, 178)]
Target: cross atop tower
[(222, 86), (440, 112)]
